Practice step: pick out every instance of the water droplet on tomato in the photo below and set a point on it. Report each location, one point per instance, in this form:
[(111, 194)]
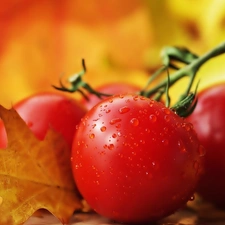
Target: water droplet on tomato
[(166, 118), (119, 134), (153, 118), (155, 165), (134, 122), (114, 121), (181, 146), (124, 109), (111, 146), (103, 129), (165, 142), (201, 150), (166, 111), (91, 135), (136, 97), (30, 124), (110, 100), (108, 111), (114, 135), (192, 198)]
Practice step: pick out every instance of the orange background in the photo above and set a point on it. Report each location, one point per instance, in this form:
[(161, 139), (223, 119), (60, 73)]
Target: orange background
[(119, 40)]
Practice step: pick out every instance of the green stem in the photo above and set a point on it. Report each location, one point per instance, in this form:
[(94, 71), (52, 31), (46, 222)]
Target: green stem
[(189, 70)]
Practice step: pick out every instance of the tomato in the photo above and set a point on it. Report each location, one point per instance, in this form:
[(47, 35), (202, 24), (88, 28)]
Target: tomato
[(135, 160), (48, 110), (112, 89), (209, 123)]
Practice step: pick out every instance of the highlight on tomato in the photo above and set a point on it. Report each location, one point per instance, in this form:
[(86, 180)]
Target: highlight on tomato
[(209, 122), (46, 110), (135, 160)]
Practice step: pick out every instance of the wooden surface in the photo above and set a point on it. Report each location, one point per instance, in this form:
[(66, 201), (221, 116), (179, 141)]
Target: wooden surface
[(195, 214)]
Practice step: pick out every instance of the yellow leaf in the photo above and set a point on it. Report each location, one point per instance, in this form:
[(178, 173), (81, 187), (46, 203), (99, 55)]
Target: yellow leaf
[(34, 174)]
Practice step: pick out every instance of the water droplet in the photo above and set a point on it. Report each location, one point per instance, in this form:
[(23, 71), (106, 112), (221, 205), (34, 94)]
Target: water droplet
[(165, 142), (91, 135), (152, 118), (134, 122), (201, 150), (111, 146), (151, 103), (103, 129), (30, 124), (124, 109), (114, 121), (166, 118), (121, 96), (136, 97), (181, 146), (119, 134), (196, 166), (114, 135), (155, 165), (192, 198), (108, 111), (94, 125), (166, 111), (110, 100)]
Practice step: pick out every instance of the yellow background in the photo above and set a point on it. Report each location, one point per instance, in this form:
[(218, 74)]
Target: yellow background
[(119, 40)]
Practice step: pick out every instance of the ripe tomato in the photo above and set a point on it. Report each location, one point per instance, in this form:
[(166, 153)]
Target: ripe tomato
[(44, 110), (209, 123), (111, 88), (134, 160)]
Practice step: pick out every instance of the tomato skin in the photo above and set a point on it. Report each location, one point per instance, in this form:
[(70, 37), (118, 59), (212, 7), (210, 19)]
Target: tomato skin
[(134, 160), (209, 123), (42, 111), (112, 89)]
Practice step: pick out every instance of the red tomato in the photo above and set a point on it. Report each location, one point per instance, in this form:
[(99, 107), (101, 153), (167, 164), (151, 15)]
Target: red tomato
[(208, 119), (44, 110), (112, 89), (134, 160)]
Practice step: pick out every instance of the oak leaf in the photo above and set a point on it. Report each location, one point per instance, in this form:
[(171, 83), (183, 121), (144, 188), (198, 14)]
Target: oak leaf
[(34, 174)]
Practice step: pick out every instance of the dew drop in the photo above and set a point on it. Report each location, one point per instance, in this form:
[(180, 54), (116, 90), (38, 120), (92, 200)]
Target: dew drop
[(151, 103), (111, 100), (165, 142), (166, 111), (111, 146), (166, 118), (91, 135), (108, 111), (134, 122), (124, 109), (103, 129), (201, 150), (136, 97), (155, 165), (152, 118), (181, 146), (114, 135), (30, 124), (114, 121), (192, 198)]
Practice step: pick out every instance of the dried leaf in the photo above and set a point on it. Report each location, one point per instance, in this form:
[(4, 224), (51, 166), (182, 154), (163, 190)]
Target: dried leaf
[(34, 174)]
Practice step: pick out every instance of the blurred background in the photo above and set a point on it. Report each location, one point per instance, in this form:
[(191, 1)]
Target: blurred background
[(42, 40)]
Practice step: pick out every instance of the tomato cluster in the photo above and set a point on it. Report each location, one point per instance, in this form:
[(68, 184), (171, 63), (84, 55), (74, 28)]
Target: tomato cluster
[(134, 159), (209, 122)]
